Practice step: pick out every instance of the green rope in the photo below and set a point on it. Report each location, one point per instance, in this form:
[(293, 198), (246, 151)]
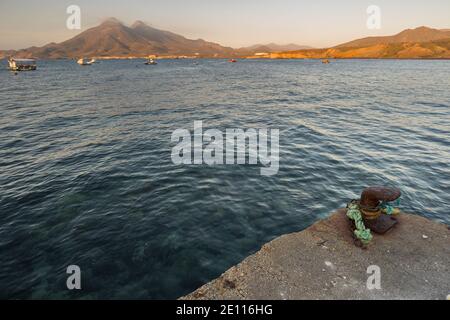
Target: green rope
[(361, 232), (389, 207)]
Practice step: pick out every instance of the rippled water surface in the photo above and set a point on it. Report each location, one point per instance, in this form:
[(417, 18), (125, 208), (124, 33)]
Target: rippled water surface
[(86, 176)]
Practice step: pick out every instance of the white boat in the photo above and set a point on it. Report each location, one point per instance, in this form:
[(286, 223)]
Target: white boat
[(151, 62), (84, 62), (22, 64)]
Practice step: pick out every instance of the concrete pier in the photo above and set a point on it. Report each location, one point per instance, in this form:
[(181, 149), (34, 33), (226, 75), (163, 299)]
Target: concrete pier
[(322, 262)]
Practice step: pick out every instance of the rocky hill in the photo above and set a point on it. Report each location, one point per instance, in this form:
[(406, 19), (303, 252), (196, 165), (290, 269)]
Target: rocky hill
[(114, 39), (419, 43)]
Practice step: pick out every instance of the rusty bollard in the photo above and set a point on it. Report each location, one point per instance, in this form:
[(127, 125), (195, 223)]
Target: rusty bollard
[(370, 204)]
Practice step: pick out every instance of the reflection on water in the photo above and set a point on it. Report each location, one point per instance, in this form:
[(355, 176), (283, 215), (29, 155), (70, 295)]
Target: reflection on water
[(86, 175)]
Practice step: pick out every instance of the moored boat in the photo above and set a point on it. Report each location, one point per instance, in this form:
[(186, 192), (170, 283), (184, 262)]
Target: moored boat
[(22, 64), (85, 62), (151, 61)]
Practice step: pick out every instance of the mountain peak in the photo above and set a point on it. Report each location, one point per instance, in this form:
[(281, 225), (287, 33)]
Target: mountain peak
[(416, 35), (112, 21), (115, 39), (419, 29), (138, 24)]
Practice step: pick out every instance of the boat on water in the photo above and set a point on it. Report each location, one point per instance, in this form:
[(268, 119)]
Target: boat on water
[(232, 60), (85, 62), (22, 64), (150, 61), (325, 61)]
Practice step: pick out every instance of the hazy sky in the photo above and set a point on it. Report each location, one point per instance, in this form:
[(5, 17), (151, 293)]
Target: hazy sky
[(235, 23)]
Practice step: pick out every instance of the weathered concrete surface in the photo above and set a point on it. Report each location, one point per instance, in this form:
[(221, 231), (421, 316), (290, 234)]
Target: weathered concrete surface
[(322, 262)]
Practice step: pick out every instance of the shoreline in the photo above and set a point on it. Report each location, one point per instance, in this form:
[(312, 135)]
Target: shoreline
[(322, 262), (225, 58)]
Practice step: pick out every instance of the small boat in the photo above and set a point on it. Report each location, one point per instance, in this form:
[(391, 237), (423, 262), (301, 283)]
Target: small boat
[(22, 64), (84, 62), (92, 61), (151, 62), (325, 61), (232, 60)]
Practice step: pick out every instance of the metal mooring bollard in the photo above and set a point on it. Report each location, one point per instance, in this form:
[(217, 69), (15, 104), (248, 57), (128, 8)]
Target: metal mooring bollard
[(372, 205), (374, 212)]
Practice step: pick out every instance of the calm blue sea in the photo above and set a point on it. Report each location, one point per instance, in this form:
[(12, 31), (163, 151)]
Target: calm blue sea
[(86, 176)]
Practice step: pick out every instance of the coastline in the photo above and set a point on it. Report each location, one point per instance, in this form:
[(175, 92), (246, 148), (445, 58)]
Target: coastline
[(224, 58), (322, 262)]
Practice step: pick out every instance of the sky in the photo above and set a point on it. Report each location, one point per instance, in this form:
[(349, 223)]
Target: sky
[(235, 23)]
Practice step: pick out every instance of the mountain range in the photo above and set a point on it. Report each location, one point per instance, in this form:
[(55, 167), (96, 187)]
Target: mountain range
[(273, 47), (418, 43), (114, 39), (420, 34)]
